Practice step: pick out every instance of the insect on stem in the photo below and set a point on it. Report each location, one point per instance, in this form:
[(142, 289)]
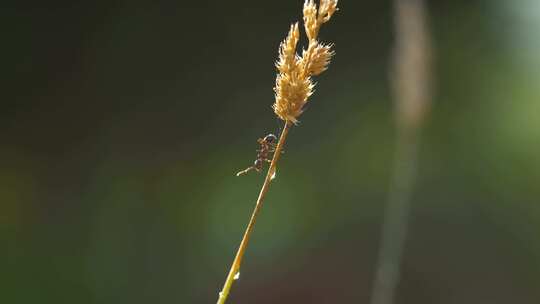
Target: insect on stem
[(268, 146)]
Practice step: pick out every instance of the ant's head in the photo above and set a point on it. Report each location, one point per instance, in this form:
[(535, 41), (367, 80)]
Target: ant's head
[(270, 138)]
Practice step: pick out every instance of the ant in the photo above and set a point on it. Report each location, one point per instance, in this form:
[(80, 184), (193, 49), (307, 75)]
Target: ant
[(268, 146)]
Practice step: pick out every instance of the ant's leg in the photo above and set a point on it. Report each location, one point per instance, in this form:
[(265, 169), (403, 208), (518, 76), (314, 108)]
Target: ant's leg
[(245, 171), (274, 150)]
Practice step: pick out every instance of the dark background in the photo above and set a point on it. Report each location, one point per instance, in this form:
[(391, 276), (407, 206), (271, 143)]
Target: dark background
[(122, 124)]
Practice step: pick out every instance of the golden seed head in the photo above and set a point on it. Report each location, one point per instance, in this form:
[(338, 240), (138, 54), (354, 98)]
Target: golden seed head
[(293, 82)]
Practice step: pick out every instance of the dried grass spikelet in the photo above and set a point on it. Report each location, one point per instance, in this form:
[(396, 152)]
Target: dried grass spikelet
[(293, 82), (320, 59), (287, 51)]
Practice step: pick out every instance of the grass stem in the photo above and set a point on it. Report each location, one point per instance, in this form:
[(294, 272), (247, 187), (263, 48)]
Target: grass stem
[(235, 267)]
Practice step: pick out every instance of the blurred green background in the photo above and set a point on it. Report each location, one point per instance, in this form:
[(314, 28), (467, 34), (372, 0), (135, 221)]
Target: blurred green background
[(122, 124)]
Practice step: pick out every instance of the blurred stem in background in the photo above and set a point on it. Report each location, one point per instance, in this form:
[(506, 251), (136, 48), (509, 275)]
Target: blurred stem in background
[(412, 93)]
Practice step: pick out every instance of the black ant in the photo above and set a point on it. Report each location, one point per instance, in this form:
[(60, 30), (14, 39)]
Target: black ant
[(268, 146)]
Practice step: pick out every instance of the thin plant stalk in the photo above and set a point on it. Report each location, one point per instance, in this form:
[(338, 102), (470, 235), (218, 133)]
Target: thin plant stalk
[(412, 93), (396, 218), (235, 267)]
